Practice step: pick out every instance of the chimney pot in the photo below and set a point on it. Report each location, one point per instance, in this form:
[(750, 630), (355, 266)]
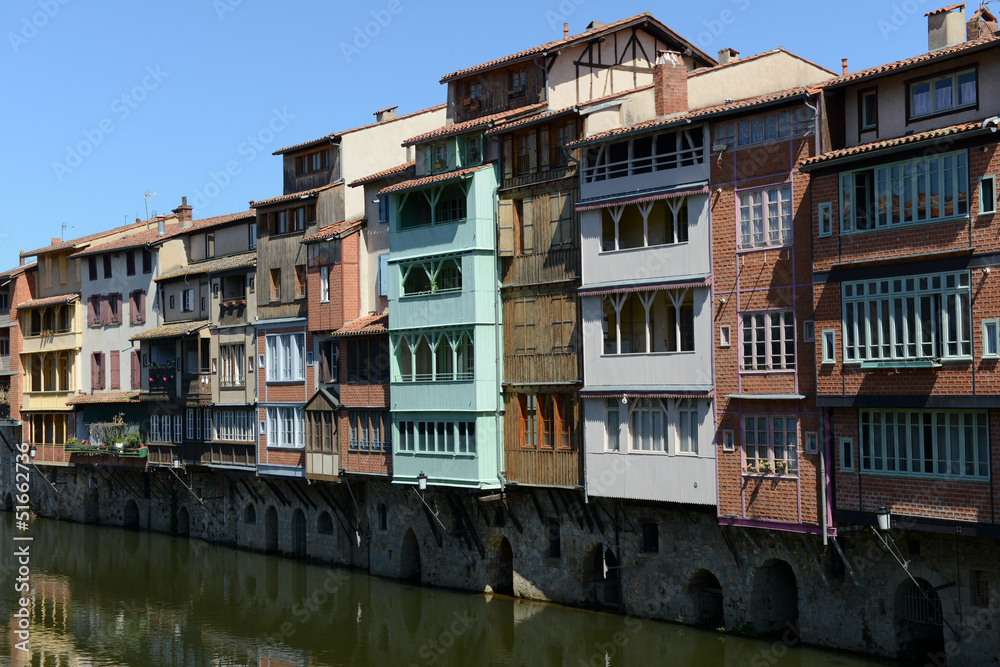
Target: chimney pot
[(982, 24), (595, 25), (161, 227), (22, 258), (565, 30), (728, 55), (385, 114), (183, 213), (670, 85), (945, 27), (57, 240), (843, 64)]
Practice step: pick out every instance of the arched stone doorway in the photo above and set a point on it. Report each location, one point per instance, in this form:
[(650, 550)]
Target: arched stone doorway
[(600, 576), (775, 602), (500, 565), (183, 522), (919, 621), (706, 599), (130, 517), (271, 530), (409, 558), (299, 533)]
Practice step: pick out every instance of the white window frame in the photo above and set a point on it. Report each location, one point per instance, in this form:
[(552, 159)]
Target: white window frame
[(638, 437), (784, 327), (791, 449), (829, 346), (825, 219), (955, 104), (846, 448), (207, 424), (872, 122), (991, 339), (286, 358), (324, 284), (154, 429), (612, 436), (189, 414), (687, 417), (728, 440), (988, 205), (187, 300), (285, 428), (775, 219), (178, 429), (725, 336), (165, 433), (887, 448)]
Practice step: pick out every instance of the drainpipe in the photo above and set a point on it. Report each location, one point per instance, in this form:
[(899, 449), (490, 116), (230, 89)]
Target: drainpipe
[(815, 120), (583, 447), (545, 72), (496, 317)]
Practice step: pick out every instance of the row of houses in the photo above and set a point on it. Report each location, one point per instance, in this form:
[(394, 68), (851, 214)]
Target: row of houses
[(611, 264)]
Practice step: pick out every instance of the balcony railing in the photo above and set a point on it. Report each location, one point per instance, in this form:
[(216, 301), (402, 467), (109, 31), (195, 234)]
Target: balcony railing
[(196, 384), (221, 454), (162, 380), (233, 312)]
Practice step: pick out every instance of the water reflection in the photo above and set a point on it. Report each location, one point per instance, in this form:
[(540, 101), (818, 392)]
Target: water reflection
[(103, 596)]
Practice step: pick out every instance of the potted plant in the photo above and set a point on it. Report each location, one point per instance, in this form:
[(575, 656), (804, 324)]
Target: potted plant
[(780, 467), (765, 467), (751, 469)]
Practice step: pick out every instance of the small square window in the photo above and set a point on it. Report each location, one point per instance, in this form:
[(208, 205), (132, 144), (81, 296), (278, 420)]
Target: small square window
[(173, 302), (809, 331), (725, 339), (825, 219), (991, 339), (846, 454), (811, 443), (728, 441), (979, 586), (263, 427), (987, 195), (829, 347)]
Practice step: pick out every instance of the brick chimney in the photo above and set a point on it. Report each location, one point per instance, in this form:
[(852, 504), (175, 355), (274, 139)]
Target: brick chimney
[(982, 24), (183, 213), (670, 83), (728, 55), (385, 114), (565, 30), (945, 26), (54, 241)]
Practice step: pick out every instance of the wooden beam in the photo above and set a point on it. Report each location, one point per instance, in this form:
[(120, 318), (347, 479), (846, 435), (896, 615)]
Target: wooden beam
[(472, 528), (432, 522), (513, 518)]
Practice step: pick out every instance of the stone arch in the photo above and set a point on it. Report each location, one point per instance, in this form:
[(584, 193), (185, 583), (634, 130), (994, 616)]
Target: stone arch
[(409, 558), (271, 530), (324, 524), (706, 596), (299, 544), (130, 516), (8, 503), (775, 602), (600, 576), (919, 620), (500, 564), (183, 522), (250, 514)]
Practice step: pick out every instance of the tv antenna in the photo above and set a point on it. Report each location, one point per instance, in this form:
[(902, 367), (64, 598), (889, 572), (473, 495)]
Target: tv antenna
[(62, 235), (146, 196)]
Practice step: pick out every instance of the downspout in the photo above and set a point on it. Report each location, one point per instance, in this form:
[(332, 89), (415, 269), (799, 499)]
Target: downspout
[(583, 448), (545, 72), (496, 319)]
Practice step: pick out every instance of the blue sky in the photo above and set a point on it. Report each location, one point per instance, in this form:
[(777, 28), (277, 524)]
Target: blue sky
[(104, 102)]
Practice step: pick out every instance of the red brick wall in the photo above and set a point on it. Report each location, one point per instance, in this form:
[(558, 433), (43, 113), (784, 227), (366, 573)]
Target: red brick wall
[(345, 297), (372, 395), (774, 279)]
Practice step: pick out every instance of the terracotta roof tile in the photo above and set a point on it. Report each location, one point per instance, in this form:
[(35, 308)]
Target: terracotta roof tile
[(482, 121), (369, 324), (151, 236), (666, 121), (546, 115), (125, 397), (891, 143), (741, 61), (294, 195), (436, 178), (171, 330), (398, 170), (62, 245), (337, 230), (931, 56), (582, 37), (213, 266), (18, 269), (307, 144), (49, 301), (945, 9)]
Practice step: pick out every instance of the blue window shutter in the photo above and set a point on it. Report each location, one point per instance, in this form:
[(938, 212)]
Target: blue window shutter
[(383, 208), (383, 274)]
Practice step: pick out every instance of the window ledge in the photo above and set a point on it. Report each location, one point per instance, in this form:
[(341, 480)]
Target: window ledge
[(914, 363), (937, 477), (289, 448), (778, 371), (440, 292), (644, 247), (771, 475), (961, 217), (611, 355), (749, 251)]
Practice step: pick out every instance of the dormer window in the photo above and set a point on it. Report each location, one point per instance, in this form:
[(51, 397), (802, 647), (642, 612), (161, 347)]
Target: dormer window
[(473, 150), (475, 90), (943, 93), (440, 157), (313, 162)]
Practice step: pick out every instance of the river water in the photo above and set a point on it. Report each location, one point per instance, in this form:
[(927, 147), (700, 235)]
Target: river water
[(104, 596)]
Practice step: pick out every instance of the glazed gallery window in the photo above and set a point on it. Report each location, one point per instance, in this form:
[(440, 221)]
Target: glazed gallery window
[(434, 356), (369, 431), (546, 421), (286, 427), (654, 321), (643, 155), (433, 276), (439, 436), (654, 424), (923, 189), (367, 359), (907, 319), (768, 341), (770, 443), (286, 358), (232, 365), (939, 94), (766, 218), (432, 206), (914, 442), (655, 223)]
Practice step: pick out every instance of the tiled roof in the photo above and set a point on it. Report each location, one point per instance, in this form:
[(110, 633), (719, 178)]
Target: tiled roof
[(369, 324), (741, 61), (482, 121), (294, 195), (63, 245), (665, 121), (547, 115), (171, 330), (49, 301), (945, 9), (213, 266), (338, 230), (316, 142), (436, 178), (582, 37), (398, 170), (152, 235), (931, 56), (17, 270), (891, 143), (126, 397)]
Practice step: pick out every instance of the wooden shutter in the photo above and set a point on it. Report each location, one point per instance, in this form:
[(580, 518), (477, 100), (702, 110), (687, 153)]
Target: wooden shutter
[(508, 156), (555, 214), (95, 371), (383, 208), (135, 369), (100, 369), (543, 149), (383, 274), (528, 226), (92, 312), (141, 316), (533, 152), (506, 228), (116, 379)]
